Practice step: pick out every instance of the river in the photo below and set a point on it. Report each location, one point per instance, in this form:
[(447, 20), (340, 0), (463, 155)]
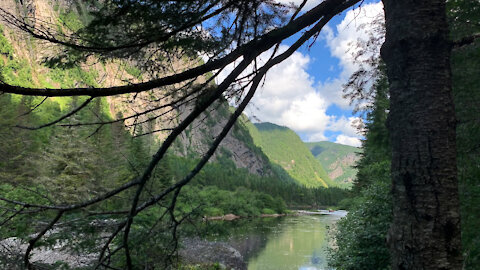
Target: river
[(292, 242)]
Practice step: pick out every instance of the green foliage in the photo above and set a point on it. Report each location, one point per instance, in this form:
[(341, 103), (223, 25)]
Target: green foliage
[(16, 72), (22, 228), (72, 77), (336, 157), (17, 145), (466, 88), (211, 201), (225, 176), (5, 46), (284, 148), (70, 20), (361, 236), (134, 71), (462, 16)]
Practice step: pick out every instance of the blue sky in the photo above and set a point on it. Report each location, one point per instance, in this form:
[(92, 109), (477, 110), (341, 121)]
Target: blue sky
[(304, 92)]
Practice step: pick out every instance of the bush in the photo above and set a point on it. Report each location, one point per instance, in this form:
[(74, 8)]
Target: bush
[(361, 235), (268, 211)]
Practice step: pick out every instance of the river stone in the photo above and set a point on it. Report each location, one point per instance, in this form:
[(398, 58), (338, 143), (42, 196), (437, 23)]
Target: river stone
[(12, 250), (197, 251)]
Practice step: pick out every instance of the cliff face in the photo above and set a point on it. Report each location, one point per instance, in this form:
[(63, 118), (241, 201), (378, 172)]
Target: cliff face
[(192, 143), (339, 160), (237, 145)]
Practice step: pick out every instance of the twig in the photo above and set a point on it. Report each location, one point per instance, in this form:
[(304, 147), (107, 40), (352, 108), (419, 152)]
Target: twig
[(74, 111)]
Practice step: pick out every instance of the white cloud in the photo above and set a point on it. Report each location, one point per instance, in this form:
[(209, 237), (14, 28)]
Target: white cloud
[(332, 91), (291, 97), (345, 125), (342, 46), (352, 141), (317, 137), (356, 25)]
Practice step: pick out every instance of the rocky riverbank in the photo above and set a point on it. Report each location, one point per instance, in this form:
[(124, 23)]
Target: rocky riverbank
[(194, 251), (198, 251), (229, 217)]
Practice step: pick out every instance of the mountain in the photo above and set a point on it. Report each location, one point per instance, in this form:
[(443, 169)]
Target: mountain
[(337, 159), (25, 63), (237, 146), (285, 149), (90, 159)]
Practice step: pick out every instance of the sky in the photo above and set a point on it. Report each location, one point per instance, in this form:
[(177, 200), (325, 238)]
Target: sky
[(304, 92)]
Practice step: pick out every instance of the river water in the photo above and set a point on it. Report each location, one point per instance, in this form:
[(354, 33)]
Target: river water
[(292, 242)]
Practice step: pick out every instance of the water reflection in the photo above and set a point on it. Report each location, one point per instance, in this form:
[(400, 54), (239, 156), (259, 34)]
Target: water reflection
[(280, 243)]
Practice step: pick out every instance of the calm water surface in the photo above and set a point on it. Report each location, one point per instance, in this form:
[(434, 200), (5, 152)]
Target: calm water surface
[(281, 243)]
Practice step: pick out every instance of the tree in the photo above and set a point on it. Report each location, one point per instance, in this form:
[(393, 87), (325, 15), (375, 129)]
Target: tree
[(360, 237), (425, 232), (421, 123), (461, 15)]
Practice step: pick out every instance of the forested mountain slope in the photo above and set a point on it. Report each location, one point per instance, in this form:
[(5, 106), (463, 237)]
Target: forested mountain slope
[(26, 62), (30, 63), (284, 148), (83, 155), (337, 159)]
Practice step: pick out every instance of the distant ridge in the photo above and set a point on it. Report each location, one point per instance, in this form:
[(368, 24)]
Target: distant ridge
[(285, 148), (337, 159)]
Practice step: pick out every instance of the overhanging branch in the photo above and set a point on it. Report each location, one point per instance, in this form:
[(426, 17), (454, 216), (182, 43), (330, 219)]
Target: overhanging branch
[(328, 8)]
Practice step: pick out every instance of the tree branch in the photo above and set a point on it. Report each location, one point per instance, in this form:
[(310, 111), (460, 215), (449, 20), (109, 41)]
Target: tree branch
[(465, 41), (74, 111), (31, 242), (252, 48)]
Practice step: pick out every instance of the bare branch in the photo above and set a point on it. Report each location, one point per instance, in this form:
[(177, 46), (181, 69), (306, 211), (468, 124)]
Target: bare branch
[(31, 242), (71, 207), (43, 33), (74, 111), (33, 109), (465, 41), (169, 140)]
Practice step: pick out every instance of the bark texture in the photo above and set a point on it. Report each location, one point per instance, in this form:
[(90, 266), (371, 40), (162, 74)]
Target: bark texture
[(425, 233)]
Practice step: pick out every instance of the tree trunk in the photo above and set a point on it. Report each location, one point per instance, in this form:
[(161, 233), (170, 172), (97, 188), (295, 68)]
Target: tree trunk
[(425, 233)]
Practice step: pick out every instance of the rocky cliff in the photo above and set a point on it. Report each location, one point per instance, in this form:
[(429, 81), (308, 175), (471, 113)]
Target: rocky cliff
[(339, 160), (141, 113)]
